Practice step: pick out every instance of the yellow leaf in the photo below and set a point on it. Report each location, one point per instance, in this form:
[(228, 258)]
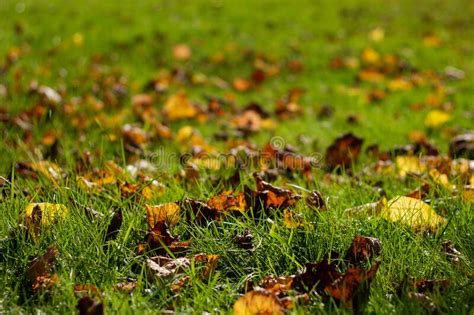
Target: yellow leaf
[(78, 39), (268, 124), (184, 134), (436, 118), (293, 220), (412, 212), (468, 193), (440, 179), (370, 56), (38, 215), (407, 164), (399, 84), (169, 212), (178, 107), (431, 40), (377, 34), (258, 302)]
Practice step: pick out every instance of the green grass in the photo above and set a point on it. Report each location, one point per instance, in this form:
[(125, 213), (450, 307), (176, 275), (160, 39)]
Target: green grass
[(135, 41)]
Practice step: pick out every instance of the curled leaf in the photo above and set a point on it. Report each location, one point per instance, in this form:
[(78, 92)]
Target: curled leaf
[(363, 248)]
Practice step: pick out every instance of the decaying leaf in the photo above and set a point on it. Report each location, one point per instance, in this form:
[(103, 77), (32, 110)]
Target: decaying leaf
[(200, 211), (451, 252), (343, 151), (244, 240), (316, 276), (38, 274), (273, 197), (126, 287), (462, 146), (351, 283), (90, 306), (228, 201), (114, 226), (315, 200), (277, 285), (163, 267), (293, 220), (90, 300), (363, 248)]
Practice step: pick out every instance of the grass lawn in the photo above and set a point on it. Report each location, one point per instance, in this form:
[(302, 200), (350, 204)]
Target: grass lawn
[(110, 108)]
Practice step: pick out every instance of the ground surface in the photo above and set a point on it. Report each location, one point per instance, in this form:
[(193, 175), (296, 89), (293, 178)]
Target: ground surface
[(391, 74)]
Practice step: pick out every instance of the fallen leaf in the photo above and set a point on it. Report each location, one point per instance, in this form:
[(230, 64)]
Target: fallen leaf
[(315, 200), (468, 192), (412, 212), (277, 285), (200, 211), (90, 306), (431, 40), (355, 281), (429, 285), (135, 136), (244, 240), (436, 118), (363, 248), (161, 267), (462, 146), (377, 34), (275, 197), (126, 287), (451, 252), (179, 107), (45, 169), (228, 201), (114, 226), (43, 215), (182, 52), (408, 164), (421, 192), (210, 262), (256, 303), (316, 276), (370, 56), (293, 220), (343, 151), (38, 273), (241, 84), (169, 212), (160, 235)]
